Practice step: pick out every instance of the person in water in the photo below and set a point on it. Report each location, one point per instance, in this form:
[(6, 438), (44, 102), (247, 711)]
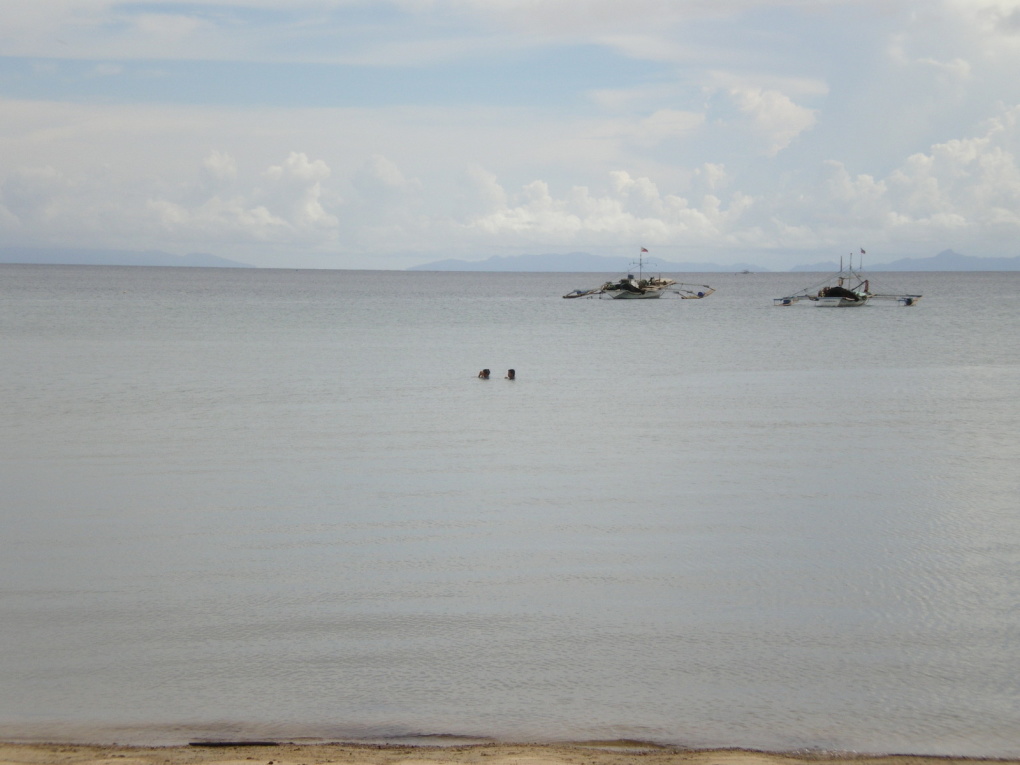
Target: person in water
[(511, 374), (484, 374)]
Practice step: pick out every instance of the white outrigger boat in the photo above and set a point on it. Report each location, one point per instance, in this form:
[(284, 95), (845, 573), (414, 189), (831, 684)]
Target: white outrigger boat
[(644, 288), (846, 289)]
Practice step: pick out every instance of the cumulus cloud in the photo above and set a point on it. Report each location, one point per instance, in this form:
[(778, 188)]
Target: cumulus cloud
[(972, 180), (481, 192), (712, 176), (963, 190), (217, 219), (220, 167), (773, 117), (295, 189), (957, 191), (285, 207), (380, 177), (629, 209)]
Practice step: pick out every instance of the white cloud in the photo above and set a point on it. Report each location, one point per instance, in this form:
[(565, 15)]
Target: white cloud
[(773, 117), (482, 193), (629, 209), (770, 129), (206, 209), (380, 176), (712, 176), (957, 191), (295, 188), (217, 219), (964, 190), (286, 207), (220, 167), (974, 180)]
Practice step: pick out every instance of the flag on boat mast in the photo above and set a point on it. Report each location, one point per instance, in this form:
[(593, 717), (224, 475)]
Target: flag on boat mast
[(643, 250)]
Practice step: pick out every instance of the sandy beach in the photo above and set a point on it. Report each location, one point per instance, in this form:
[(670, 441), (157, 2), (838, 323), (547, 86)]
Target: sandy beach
[(600, 753)]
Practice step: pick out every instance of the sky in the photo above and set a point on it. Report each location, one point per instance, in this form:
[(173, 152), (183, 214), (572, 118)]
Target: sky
[(382, 134)]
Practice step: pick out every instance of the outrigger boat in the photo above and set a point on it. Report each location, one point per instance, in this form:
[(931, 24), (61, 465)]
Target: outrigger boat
[(644, 288), (846, 289)]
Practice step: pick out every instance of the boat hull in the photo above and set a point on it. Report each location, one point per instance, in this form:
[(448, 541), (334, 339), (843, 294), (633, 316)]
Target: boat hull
[(628, 295), (839, 302)]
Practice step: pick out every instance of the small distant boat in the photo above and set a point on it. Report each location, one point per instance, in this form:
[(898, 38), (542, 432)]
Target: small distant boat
[(641, 287), (846, 289)]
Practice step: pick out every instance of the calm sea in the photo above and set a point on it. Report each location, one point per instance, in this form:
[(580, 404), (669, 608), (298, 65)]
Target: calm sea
[(270, 503)]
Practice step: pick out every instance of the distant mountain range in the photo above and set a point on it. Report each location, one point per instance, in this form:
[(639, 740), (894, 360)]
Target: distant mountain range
[(582, 262), (74, 257), (574, 262), (947, 260)]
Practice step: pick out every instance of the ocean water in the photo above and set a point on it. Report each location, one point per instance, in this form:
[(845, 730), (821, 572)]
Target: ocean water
[(271, 503)]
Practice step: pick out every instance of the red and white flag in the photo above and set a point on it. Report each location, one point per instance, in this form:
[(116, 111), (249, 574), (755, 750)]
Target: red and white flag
[(643, 250)]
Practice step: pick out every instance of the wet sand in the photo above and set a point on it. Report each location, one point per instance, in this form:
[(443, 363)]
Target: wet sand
[(597, 753)]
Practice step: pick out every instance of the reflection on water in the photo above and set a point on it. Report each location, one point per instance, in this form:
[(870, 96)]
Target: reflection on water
[(280, 504)]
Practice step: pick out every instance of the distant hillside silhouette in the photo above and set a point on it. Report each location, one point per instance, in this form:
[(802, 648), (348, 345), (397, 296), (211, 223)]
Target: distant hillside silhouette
[(74, 257), (571, 262), (947, 260), (581, 262)]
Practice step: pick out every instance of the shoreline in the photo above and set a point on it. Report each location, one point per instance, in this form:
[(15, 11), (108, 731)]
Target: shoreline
[(577, 753)]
